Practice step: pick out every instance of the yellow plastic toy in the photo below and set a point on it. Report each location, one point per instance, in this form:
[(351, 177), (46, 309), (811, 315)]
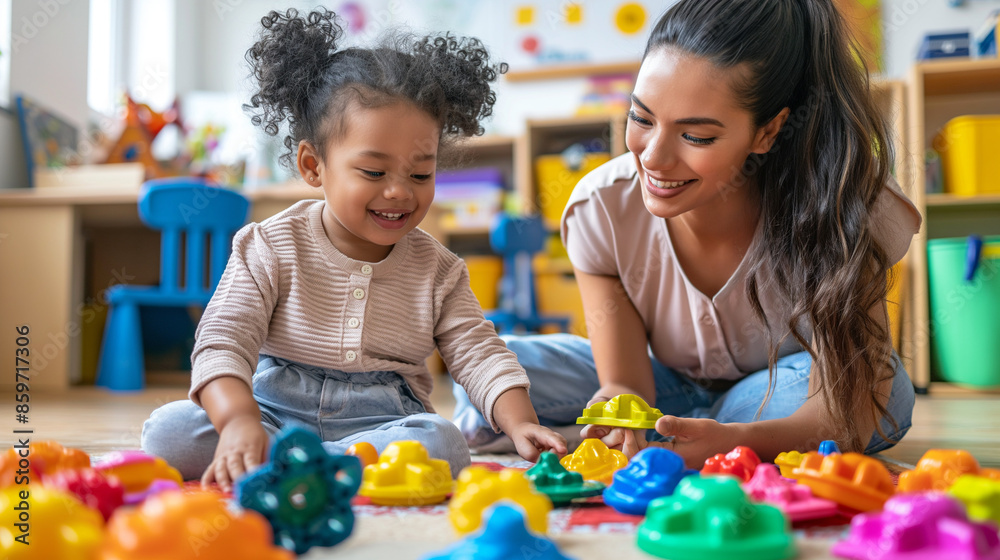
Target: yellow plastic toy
[(850, 479), (198, 525), (480, 488), (54, 524), (787, 462), (137, 470), (595, 461), (980, 495), (623, 411), (939, 468), (406, 476)]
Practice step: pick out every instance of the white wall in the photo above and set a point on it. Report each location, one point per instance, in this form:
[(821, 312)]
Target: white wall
[(905, 22)]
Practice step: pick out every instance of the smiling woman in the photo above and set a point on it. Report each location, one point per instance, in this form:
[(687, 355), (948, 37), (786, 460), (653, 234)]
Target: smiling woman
[(737, 255)]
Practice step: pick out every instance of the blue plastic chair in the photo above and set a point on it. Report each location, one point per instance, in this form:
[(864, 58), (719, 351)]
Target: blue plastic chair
[(189, 206), (517, 239)]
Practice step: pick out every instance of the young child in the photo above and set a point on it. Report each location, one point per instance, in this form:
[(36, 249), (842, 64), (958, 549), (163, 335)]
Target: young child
[(338, 303), (733, 265)]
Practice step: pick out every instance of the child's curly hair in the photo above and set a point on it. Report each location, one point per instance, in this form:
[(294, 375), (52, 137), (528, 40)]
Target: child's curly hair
[(303, 78)]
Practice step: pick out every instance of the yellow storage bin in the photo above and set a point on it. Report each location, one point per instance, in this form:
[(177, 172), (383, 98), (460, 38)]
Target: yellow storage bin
[(968, 147), (555, 180), (484, 275), (558, 293)]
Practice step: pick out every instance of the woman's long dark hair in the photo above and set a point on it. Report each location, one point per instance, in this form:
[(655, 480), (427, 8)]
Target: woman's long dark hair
[(306, 78), (817, 185)]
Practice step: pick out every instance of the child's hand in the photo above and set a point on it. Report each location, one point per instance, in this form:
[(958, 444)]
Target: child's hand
[(697, 439), (625, 440), (531, 440), (242, 445)]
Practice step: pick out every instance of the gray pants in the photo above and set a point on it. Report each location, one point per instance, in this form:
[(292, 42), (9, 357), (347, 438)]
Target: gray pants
[(341, 408)]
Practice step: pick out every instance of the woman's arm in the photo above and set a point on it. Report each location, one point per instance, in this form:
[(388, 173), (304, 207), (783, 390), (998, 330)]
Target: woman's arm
[(618, 339)]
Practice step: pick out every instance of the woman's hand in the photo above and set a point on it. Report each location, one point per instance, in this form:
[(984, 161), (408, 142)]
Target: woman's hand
[(531, 439), (242, 447), (697, 439)]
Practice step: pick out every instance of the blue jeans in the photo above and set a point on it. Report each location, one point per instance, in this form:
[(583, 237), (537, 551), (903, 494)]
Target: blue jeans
[(563, 378), (341, 408)]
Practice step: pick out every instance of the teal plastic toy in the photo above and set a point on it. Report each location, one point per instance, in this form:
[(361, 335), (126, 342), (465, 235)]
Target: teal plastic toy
[(710, 518), (560, 485), (303, 492), (623, 411)]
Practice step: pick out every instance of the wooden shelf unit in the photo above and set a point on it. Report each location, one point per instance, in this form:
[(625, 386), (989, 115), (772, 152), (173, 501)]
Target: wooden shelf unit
[(938, 92)]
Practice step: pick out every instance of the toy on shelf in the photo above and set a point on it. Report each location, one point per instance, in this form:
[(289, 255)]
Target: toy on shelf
[(560, 485), (740, 462), (916, 526), (135, 143), (304, 492), (796, 500), (939, 468), (504, 536), (850, 479), (365, 452), (405, 475), (788, 461), (479, 488), (595, 461), (189, 525), (710, 518), (623, 411), (38, 522), (137, 471), (981, 497), (39, 459), (828, 446), (101, 493), (652, 473)]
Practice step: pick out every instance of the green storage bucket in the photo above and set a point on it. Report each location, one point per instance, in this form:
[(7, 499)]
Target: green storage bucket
[(965, 315)]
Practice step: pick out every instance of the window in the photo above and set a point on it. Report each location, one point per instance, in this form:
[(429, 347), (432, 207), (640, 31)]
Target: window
[(5, 53)]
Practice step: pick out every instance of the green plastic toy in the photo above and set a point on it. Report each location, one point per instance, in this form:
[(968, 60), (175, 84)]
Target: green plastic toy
[(710, 518), (623, 411), (560, 485)]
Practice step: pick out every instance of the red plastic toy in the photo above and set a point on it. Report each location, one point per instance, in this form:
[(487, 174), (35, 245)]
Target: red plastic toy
[(102, 493), (740, 462)]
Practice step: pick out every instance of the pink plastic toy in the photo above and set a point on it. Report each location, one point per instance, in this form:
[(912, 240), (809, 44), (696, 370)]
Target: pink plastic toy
[(796, 500), (925, 526), (102, 493), (137, 470)]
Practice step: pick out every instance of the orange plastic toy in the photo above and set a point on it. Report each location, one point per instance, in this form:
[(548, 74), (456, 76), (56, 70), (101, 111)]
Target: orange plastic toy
[(595, 461), (787, 462), (365, 452), (740, 462), (479, 488), (851, 479), (623, 411), (406, 476), (54, 523), (44, 458), (198, 525), (137, 470), (938, 469), (980, 495)]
